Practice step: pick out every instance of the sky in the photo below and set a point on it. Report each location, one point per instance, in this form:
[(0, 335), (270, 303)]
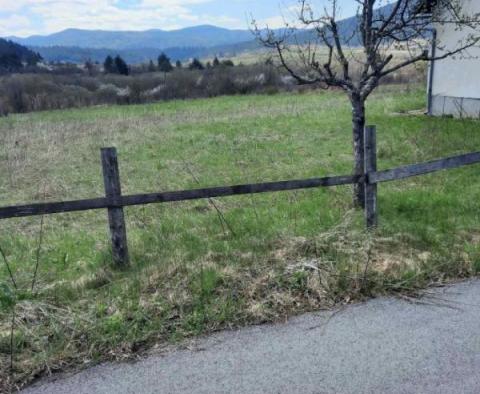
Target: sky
[(28, 17)]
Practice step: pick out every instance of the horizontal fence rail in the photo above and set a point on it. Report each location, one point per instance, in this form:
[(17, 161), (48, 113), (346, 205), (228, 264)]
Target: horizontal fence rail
[(182, 195), (424, 168), (114, 201)]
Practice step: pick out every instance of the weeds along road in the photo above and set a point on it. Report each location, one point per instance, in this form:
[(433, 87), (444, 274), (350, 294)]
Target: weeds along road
[(382, 346)]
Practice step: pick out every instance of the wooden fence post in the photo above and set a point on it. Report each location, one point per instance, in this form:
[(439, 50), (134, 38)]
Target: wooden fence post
[(371, 216), (116, 217)]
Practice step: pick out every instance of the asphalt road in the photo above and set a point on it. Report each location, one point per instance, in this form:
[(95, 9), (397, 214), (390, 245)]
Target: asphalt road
[(383, 346)]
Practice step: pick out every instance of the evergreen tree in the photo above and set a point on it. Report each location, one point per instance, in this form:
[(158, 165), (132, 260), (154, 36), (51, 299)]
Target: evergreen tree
[(196, 65), (121, 66), (216, 62), (109, 66), (11, 62), (151, 67), (90, 67), (33, 59), (178, 64), (164, 64)]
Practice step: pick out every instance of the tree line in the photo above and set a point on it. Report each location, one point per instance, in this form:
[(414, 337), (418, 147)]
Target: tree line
[(117, 65)]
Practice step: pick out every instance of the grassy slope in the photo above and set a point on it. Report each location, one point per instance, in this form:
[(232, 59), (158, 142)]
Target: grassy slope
[(190, 274)]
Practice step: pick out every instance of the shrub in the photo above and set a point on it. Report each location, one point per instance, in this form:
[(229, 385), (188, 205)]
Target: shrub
[(71, 86)]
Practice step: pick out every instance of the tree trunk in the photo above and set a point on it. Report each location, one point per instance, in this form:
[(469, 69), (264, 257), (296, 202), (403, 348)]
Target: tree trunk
[(358, 112)]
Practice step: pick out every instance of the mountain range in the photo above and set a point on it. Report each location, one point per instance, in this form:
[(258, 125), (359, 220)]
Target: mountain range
[(198, 36), (76, 45)]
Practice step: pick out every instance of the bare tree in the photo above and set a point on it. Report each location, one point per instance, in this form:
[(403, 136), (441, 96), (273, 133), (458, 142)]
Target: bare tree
[(322, 50)]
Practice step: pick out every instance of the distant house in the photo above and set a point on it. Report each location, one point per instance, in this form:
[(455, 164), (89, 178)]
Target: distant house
[(454, 83)]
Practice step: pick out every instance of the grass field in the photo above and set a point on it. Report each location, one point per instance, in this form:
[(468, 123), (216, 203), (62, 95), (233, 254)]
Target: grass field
[(192, 272)]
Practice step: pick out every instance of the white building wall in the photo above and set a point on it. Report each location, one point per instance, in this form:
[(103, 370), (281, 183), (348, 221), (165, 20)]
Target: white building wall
[(456, 80)]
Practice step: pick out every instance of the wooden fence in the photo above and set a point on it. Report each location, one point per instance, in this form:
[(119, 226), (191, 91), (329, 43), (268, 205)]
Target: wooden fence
[(114, 201)]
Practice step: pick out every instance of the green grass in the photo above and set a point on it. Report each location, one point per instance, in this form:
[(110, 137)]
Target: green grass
[(190, 273)]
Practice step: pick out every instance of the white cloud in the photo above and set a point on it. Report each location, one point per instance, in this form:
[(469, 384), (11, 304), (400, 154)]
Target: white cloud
[(15, 23), (15, 5), (273, 22), (27, 17), (288, 16), (53, 15)]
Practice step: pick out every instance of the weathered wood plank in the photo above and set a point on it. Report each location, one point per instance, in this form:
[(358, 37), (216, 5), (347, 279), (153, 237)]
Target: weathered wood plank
[(141, 199), (370, 167), (53, 207), (256, 188), (425, 168), (116, 216)]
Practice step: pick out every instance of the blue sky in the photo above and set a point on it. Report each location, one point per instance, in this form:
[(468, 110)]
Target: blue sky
[(27, 17)]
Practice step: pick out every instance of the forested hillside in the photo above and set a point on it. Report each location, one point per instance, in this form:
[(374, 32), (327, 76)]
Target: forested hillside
[(13, 56), (79, 55)]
